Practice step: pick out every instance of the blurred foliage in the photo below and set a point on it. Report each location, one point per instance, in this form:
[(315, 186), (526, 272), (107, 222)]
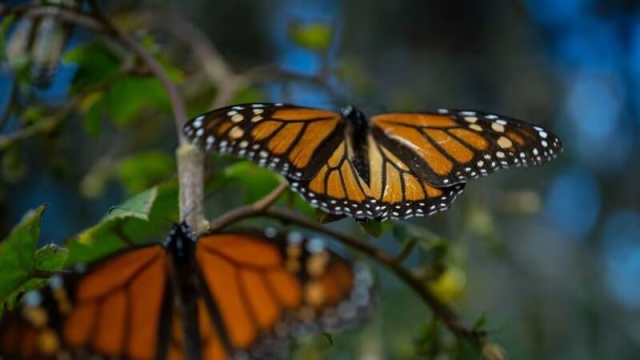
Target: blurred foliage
[(139, 171), (316, 36)]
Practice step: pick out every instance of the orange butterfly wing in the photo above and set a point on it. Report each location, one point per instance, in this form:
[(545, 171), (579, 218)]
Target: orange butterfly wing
[(250, 295), (283, 137), (267, 290), (451, 147), (111, 310)]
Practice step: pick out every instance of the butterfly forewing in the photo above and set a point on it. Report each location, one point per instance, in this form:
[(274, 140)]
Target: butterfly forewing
[(282, 137), (450, 147)]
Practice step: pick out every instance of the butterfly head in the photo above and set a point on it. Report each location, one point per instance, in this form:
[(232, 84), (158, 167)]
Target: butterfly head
[(180, 241), (357, 121)]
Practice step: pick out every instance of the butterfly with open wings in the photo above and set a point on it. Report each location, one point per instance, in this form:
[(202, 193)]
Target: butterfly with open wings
[(388, 166)]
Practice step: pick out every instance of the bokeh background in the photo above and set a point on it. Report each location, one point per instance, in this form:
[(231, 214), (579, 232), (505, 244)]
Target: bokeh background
[(550, 256)]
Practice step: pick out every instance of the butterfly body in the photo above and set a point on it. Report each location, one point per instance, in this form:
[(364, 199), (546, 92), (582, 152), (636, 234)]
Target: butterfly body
[(387, 166), (220, 297)]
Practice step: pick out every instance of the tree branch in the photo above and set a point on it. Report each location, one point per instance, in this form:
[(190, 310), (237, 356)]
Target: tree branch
[(242, 212), (212, 62), (177, 105)]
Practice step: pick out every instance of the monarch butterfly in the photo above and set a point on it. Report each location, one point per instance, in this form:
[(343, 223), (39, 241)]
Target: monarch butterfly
[(223, 296), (388, 166)]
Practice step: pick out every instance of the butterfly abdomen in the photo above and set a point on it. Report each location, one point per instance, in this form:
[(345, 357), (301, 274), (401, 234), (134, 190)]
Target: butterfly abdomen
[(358, 131)]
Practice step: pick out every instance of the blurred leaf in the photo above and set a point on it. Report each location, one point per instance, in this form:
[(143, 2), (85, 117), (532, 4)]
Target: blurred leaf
[(450, 285), (13, 166), (138, 206), (324, 217), (17, 253), (127, 222), (93, 111), (429, 343), (479, 324), (256, 182), (248, 95), (351, 71), (96, 63), (95, 179), (316, 36), (128, 96), (405, 233), (50, 258), (329, 337), (139, 171), (4, 32), (373, 228), (492, 351)]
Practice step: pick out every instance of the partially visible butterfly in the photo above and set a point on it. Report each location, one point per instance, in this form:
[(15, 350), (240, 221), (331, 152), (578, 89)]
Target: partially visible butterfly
[(388, 166), (237, 295)]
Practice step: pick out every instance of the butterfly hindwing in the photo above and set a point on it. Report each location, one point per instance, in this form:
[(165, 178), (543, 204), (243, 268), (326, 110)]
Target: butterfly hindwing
[(393, 191)]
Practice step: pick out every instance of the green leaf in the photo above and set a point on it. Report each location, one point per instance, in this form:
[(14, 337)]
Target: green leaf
[(373, 228), (325, 217), (405, 233), (127, 97), (50, 258), (329, 337), (4, 31), (139, 206), (316, 36), (127, 224), (96, 62), (94, 112), (479, 324), (141, 170), (17, 253), (256, 182)]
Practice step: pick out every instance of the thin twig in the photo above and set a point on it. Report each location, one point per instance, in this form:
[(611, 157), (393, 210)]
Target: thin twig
[(272, 72), (404, 252), (46, 125), (177, 105), (63, 14), (248, 210), (8, 110), (212, 62)]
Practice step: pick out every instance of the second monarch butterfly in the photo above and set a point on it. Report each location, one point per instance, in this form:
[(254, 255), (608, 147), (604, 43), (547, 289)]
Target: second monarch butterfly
[(221, 296), (388, 166)]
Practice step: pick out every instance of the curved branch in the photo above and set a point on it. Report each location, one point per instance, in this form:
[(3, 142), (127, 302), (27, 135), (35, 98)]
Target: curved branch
[(242, 212), (177, 105)]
